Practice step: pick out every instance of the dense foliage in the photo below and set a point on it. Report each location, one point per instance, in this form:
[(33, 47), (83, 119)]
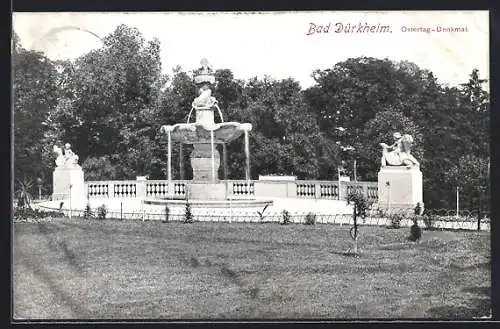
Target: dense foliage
[(110, 103)]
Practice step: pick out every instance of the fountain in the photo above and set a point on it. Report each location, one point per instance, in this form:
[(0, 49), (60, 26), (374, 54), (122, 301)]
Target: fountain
[(204, 134)]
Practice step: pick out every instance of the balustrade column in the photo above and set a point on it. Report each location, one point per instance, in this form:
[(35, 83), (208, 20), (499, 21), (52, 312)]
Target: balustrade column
[(247, 154), (140, 188), (181, 161), (340, 190), (224, 159), (111, 190), (365, 191), (169, 165), (213, 153), (317, 191)]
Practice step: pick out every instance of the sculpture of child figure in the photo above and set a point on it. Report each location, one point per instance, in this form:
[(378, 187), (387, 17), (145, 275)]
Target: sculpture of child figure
[(60, 160), (205, 100), (398, 154), (205, 78), (71, 158), (68, 158)]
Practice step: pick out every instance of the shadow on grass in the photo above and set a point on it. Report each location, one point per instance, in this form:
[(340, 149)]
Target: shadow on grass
[(227, 273), (482, 291), (478, 306), (347, 253), (61, 297)]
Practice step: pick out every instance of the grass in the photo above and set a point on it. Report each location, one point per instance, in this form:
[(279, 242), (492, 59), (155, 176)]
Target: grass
[(89, 269)]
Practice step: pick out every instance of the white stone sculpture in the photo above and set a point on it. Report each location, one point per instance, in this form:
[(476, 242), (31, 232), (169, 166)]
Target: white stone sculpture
[(398, 154), (60, 160), (71, 158), (65, 157)]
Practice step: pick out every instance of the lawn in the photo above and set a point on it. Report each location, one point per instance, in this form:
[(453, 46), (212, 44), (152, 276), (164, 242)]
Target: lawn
[(110, 269)]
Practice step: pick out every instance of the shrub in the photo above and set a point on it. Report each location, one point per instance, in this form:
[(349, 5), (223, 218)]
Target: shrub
[(22, 193), (88, 213), (188, 215), (261, 213), (428, 219), (418, 209), (102, 211), (167, 214), (395, 220), (286, 217), (310, 219), (25, 214), (360, 201)]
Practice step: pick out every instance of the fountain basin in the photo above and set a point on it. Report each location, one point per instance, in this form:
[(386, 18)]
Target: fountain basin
[(197, 133), (227, 203)]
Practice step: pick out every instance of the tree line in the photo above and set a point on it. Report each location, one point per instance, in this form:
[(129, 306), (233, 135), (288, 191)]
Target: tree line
[(110, 102)]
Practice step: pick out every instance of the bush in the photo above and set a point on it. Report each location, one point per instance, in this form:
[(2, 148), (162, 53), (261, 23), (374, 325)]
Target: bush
[(395, 220), (261, 213), (188, 215), (24, 214), (310, 219), (418, 209), (428, 220), (286, 217), (88, 213), (102, 211), (167, 214), (360, 201)]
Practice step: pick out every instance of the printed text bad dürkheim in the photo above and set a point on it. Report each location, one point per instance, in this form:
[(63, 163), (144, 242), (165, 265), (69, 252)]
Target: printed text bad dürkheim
[(365, 27)]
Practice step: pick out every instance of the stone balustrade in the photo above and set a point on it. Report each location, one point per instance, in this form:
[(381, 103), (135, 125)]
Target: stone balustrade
[(307, 189)]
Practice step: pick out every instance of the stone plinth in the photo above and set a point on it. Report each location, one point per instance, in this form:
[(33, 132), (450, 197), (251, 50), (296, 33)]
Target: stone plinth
[(206, 191), (63, 177), (205, 116), (399, 188), (201, 162), (277, 178)]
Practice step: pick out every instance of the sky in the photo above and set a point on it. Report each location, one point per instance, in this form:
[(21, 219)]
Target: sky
[(278, 44)]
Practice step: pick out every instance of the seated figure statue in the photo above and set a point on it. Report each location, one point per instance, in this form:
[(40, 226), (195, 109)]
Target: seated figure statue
[(205, 100), (60, 160), (71, 158), (398, 154), (204, 77)]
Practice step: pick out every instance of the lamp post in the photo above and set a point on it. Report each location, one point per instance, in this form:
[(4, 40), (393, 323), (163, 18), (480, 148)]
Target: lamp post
[(355, 168), (39, 181), (344, 149), (347, 149), (70, 186), (388, 184)]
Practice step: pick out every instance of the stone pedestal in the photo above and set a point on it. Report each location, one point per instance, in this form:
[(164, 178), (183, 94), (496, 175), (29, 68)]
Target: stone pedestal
[(399, 188), (201, 162), (63, 177), (206, 191)]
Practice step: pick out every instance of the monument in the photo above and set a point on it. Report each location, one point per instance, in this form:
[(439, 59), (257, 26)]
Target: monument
[(399, 178), (204, 134), (68, 180)]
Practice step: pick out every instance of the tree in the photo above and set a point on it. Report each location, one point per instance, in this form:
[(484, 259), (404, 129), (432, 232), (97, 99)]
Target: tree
[(471, 175), (174, 107), (34, 96), (380, 130), (285, 135), (109, 104), (474, 94), (353, 91), (348, 97)]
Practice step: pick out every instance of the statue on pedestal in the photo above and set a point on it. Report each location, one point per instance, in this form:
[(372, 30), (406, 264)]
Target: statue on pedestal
[(205, 77), (60, 160), (68, 176), (398, 154), (66, 159), (71, 158)]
